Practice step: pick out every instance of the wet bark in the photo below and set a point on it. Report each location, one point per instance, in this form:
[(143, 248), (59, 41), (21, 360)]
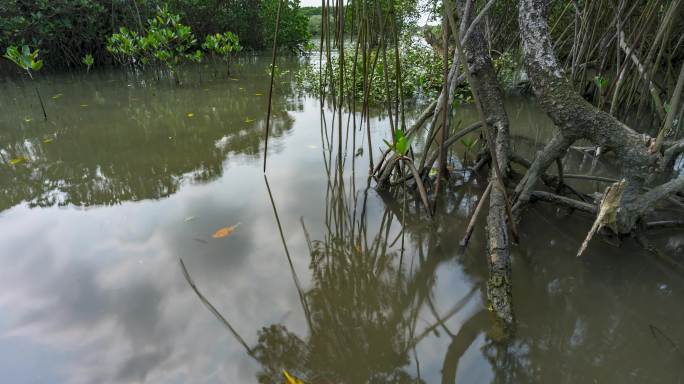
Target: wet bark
[(484, 81), (576, 119)]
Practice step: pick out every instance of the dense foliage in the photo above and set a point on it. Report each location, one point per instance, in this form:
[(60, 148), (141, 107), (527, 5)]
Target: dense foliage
[(293, 32), (421, 75), (66, 31), (167, 43)]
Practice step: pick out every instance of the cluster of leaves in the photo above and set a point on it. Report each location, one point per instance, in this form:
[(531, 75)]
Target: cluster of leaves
[(401, 144), (67, 30), (24, 59), (167, 42), (222, 44), (88, 61)]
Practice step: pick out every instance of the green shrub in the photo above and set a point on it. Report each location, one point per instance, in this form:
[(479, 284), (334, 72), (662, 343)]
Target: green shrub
[(66, 30), (222, 45), (167, 43)]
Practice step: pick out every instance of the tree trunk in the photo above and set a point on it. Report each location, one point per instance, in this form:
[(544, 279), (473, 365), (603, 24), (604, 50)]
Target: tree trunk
[(576, 119), (485, 83)]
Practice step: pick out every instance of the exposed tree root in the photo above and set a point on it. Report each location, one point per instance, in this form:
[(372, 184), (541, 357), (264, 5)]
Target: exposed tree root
[(563, 201), (577, 119)]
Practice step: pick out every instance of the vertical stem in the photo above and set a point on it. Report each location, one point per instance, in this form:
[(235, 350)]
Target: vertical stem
[(445, 109), (270, 89), (674, 103), (340, 10), (41, 103)]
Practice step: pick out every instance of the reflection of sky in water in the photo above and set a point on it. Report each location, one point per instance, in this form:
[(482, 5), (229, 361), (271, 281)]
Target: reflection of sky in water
[(96, 294)]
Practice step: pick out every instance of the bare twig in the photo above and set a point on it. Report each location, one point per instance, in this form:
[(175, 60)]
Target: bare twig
[(270, 89), (473, 218)]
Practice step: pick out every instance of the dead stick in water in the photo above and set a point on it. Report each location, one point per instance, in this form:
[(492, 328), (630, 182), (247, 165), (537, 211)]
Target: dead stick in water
[(270, 90), (473, 218), (42, 106)]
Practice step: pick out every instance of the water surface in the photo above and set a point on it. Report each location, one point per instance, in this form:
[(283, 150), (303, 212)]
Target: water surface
[(130, 174)]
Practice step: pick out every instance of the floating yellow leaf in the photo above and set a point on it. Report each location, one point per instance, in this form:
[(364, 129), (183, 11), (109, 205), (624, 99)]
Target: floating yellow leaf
[(28, 119), (84, 105), (57, 96), (190, 114), (48, 140), (289, 379), (18, 160), (258, 94), (248, 120), (225, 231), (234, 79), (240, 88)]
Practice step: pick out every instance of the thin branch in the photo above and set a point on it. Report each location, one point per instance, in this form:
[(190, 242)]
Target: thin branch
[(563, 201), (473, 218), (270, 89)]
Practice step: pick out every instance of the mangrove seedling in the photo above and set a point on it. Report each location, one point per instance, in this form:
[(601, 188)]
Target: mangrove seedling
[(28, 61), (401, 144), (223, 46), (168, 43), (601, 84), (277, 72), (469, 143), (88, 61)]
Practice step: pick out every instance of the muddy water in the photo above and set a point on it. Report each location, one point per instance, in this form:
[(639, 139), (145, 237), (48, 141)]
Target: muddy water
[(129, 175)]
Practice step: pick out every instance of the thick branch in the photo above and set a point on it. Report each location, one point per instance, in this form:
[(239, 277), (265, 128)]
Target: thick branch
[(576, 118)]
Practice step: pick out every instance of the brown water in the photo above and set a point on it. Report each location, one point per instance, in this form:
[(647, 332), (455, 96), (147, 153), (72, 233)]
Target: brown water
[(122, 182)]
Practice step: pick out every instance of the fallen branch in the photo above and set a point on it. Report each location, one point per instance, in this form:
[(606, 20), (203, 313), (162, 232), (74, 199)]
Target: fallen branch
[(473, 218), (664, 224), (564, 201)]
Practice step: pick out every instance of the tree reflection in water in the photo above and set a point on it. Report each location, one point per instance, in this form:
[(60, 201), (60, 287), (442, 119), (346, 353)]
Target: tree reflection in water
[(134, 140), (366, 294)]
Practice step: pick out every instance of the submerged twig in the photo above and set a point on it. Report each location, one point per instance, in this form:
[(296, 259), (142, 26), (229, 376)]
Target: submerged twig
[(473, 218)]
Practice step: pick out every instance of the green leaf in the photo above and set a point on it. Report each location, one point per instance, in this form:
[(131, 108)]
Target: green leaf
[(36, 66)]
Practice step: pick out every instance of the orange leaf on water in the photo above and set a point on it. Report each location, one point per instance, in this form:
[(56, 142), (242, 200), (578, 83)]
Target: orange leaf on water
[(225, 231)]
